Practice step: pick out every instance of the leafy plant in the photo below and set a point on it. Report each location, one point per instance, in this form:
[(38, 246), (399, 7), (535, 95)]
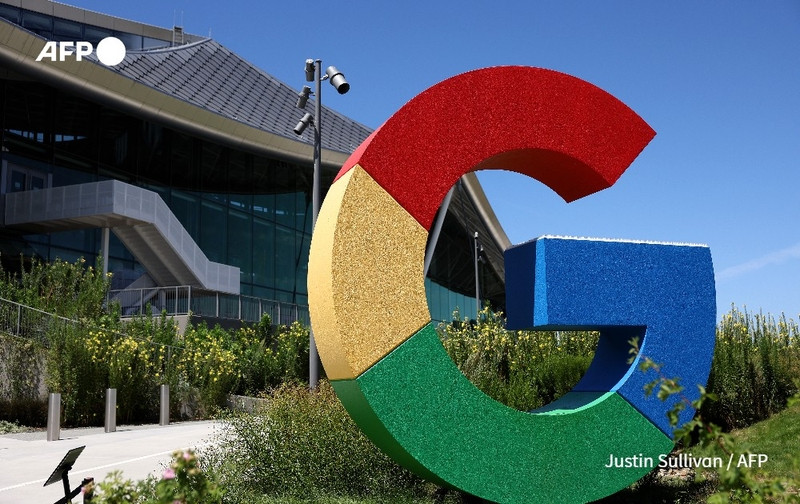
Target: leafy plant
[(756, 360), (522, 369), (22, 363), (737, 483), (11, 428), (303, 445), (88, 348), (183, 482), (116, 490)]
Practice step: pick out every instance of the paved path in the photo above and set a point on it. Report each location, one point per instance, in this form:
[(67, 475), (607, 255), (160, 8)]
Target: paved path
[(26, 460)]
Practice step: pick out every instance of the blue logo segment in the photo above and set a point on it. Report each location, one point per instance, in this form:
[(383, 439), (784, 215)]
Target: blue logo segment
[(662, 293)]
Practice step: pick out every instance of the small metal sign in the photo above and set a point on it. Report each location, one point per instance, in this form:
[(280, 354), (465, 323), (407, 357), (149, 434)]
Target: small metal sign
[(61, 473)]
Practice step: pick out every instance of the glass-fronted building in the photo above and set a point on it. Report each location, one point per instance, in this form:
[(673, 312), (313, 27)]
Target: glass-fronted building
[(187, 120)]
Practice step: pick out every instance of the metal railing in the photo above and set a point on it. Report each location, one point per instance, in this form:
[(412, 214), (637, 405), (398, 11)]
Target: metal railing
[(185, 299), (25, 322)]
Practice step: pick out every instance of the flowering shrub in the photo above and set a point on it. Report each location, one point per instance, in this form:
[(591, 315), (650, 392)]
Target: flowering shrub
[(755, 363), (183, 482), (22, 366), (303, 446), (290, 352), (209, 363), (756, 360), (116, 490), (92, 349), (132, 368), (733, 484), (522, 369), (72, 290)]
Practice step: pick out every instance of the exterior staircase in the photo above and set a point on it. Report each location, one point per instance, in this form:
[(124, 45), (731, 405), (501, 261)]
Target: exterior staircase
[(139, 218)]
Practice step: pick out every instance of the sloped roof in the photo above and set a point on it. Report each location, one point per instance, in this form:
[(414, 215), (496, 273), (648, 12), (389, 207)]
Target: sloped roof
[(208, 75), (214, 81)]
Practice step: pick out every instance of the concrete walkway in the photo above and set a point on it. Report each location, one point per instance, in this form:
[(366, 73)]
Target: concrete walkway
[(28, 459)]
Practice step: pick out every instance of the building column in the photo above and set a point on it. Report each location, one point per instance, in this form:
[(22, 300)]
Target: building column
[(104, 250)]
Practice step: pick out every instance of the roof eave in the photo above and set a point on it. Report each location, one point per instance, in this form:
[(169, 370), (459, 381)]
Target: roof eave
[(19, 49), (485, 211)]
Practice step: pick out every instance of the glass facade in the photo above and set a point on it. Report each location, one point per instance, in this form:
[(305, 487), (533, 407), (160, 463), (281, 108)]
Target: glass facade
[(453, 265), (443, 303), (242, 209)]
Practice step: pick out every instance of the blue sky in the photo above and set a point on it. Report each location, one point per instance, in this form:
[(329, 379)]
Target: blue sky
[(719, 81)]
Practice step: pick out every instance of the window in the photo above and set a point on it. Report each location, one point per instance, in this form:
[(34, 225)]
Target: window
[(22, 178), (116, 140), (95, 34), (213, 165), (41, 24), (132, 42), (67, 30), (11, 13), (213, 231), (186, 208), (263, 252), (19, 181), (153, 43), (240, 181), (285, 259), (240, 243), (302, 243)]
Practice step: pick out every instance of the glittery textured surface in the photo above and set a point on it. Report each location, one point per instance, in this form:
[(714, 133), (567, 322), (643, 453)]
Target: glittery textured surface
[(367, 296), (561, 130), (662, 293), (474, 443), (365, 276)]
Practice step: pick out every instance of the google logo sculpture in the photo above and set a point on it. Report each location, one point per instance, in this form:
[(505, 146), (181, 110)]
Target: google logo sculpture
[(374, 331)]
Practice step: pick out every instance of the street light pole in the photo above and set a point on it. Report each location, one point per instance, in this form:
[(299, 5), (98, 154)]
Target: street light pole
[(317, 142), (477, 282), (313, 355), (313, 71)]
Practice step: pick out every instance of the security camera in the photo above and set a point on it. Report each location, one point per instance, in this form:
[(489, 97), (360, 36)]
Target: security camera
[(310, 70), (337, 80), (303, 124), (302, 97)]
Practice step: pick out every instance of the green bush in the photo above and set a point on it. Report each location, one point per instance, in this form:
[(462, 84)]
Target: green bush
[(116, 490), (303, 445), (270, 356), (77, 292), (130, 365), (22, 364), (522, 369), (183, 482), (91, 349), (208, 363), (72, 372), (753, 372), (72, 290), (256, 365), (755, 366)]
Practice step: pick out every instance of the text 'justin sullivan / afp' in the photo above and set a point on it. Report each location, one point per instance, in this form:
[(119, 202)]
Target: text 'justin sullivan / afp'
[(682, 460)]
